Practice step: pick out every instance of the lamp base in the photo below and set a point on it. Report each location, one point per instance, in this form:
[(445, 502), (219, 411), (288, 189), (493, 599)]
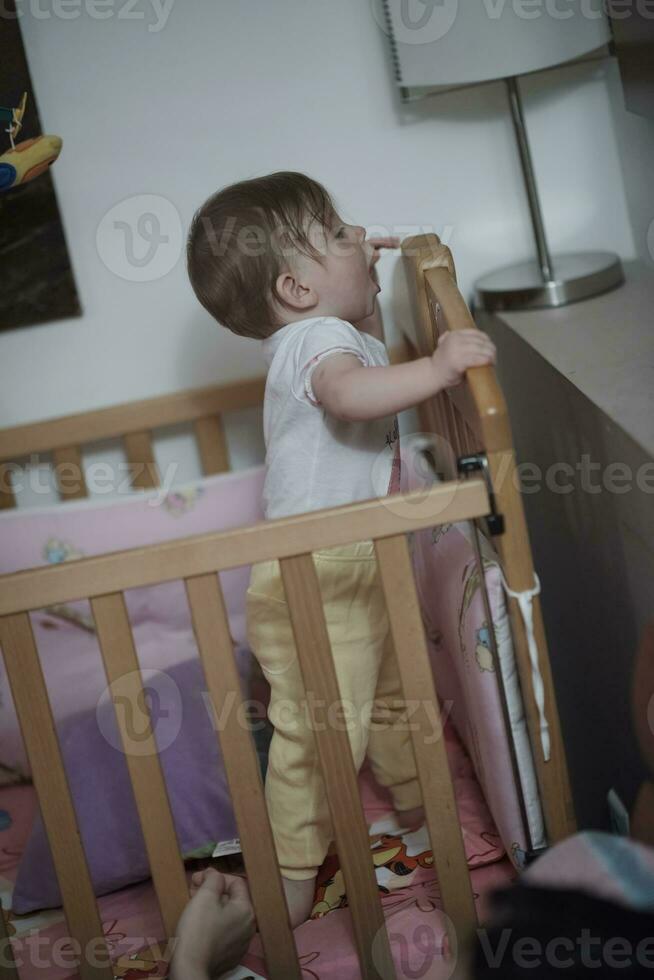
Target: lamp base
[(575, 277)]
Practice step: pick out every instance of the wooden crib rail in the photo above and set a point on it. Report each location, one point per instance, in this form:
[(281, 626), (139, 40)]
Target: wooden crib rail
[(134, 424), (473, 418), (86, 578), (196, 560)]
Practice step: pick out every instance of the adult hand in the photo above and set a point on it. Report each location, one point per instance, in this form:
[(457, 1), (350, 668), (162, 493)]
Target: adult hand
[(215, 928)]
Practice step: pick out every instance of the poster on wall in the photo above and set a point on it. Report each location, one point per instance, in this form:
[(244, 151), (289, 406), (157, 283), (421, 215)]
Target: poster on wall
[(36, 278)]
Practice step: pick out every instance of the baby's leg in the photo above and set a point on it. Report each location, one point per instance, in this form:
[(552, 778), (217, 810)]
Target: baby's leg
[(293, 781), (389, 744), (295, 791), (299, 898)]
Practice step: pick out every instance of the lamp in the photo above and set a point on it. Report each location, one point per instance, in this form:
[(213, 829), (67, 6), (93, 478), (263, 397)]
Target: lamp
[(440, 45)]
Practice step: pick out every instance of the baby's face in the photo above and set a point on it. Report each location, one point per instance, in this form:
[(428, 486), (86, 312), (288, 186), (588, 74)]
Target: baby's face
[(343, 282)]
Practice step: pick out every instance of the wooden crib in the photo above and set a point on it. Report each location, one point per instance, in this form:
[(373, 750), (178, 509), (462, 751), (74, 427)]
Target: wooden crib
[(473, 419)]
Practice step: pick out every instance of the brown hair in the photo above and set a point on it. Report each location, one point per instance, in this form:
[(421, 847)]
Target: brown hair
[(241, 239)]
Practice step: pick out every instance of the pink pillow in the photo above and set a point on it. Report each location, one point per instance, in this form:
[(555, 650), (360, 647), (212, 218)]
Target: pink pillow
[(67, 532)]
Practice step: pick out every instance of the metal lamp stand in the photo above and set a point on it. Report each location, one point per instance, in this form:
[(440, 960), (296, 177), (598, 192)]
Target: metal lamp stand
[(549, 281)]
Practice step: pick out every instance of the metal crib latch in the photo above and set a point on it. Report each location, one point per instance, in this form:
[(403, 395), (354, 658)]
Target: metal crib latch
[(478, 463)]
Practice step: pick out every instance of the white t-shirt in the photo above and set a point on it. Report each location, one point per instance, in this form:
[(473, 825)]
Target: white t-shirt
[(314, 460)]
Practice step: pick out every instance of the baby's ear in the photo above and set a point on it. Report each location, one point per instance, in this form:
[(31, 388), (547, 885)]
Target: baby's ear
[(294, 293)]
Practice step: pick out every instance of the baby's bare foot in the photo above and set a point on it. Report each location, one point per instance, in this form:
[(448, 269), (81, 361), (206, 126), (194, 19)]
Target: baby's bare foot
[(411, 819)]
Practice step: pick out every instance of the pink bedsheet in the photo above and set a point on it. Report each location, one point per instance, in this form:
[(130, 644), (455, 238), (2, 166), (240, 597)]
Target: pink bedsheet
[(132, 925)]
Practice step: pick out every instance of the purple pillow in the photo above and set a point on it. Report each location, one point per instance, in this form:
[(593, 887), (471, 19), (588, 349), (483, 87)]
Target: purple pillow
[(102, 793)]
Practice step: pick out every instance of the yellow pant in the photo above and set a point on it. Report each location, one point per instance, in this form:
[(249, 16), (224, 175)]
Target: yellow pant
[(372, 709)]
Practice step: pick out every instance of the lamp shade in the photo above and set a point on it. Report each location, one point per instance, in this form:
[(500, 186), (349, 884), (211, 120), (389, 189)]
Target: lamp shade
[(462, 42)]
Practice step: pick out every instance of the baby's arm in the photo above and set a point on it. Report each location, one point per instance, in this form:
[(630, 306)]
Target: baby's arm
[(355, 393)]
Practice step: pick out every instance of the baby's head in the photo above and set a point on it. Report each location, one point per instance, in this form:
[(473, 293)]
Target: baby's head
[(273, 250)]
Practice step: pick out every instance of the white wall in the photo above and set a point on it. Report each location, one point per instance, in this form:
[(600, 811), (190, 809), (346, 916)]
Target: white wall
[(229, 90), (635, 135)]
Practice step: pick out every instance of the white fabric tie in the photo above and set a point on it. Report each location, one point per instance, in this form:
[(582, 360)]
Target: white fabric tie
[(525, 601)]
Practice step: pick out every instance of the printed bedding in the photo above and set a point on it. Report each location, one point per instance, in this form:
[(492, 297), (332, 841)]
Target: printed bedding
[(410, 896)]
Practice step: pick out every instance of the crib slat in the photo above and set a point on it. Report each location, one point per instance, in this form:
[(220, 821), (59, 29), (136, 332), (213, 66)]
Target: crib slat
[(461, 429), (214, 642), (69, 473), (463, 402), (449, 436), (452, 428), (7, 499), (472, 442), (49, 777), (122, 669), (446, 449), (212, 445), (313, 647), (140, 456), (8, 970), (443, 822), (465, 431)]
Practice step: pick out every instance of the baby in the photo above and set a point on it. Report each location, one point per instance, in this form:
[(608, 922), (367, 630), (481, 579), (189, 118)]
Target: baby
[(270, 258)]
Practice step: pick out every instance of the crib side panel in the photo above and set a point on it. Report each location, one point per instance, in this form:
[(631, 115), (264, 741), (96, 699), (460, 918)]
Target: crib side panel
[(103, 579), (39, 734), (474, 414), (134, 423)]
